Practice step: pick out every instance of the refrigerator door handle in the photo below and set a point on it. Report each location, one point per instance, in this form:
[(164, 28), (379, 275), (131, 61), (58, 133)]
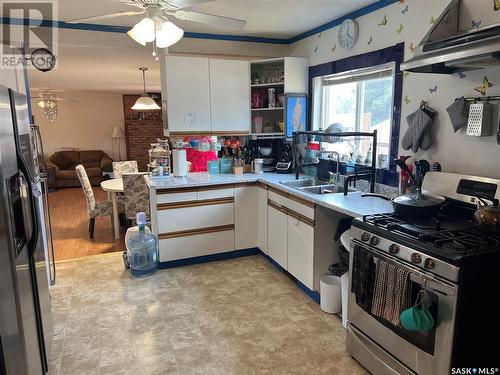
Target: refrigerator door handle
[(32, 242), (48, 229)]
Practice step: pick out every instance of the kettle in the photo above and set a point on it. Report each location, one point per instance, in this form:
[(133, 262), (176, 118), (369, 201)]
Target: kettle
[(487, 217)]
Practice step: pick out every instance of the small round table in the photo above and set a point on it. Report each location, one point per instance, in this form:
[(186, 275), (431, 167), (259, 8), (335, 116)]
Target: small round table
[(112, 187)]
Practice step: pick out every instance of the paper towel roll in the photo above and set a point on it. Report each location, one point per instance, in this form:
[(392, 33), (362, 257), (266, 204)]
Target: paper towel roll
[(179, 163)]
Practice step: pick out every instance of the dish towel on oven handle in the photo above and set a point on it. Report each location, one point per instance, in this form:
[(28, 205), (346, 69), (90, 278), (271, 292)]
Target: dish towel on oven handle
[(363, 277), (391, 292)]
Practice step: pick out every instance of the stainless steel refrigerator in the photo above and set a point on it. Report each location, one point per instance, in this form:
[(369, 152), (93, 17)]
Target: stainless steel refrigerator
[(25, 319)]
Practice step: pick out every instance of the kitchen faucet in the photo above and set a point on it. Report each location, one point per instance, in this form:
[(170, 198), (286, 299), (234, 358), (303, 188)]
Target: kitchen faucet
[(334, 177)]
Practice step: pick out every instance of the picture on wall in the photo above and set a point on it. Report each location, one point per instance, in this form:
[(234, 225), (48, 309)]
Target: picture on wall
[(295, 113)]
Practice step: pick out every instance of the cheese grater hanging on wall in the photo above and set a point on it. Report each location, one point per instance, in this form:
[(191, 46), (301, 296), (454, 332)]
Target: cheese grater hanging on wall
[(479, 123)]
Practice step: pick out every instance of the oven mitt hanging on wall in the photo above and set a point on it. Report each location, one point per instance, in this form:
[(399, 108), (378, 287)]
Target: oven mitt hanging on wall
[(459, 113), (419, 123)]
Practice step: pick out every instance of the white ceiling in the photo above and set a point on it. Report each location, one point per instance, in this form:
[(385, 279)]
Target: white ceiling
[(96, 61), (108, 61), (267, 18)]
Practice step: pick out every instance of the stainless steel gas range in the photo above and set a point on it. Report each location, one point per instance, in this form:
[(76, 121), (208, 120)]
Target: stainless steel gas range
[(458, 266)]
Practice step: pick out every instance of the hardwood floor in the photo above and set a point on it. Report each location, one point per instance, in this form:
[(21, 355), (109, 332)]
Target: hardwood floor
[(70, 226)]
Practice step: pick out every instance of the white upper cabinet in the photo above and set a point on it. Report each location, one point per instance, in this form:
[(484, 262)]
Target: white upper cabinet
[(188, 94), (207, 95), (230, 96)]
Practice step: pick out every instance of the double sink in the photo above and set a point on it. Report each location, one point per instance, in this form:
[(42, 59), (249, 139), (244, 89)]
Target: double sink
[(315, 186)]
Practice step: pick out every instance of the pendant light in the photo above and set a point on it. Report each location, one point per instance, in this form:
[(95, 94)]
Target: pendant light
[(145, 102)]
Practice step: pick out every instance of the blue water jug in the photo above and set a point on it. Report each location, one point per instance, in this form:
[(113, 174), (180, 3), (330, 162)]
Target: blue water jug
[(143, 249)]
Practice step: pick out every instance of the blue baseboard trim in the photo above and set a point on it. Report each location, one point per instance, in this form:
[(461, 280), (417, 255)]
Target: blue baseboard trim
[(209, 258), (311, 293)]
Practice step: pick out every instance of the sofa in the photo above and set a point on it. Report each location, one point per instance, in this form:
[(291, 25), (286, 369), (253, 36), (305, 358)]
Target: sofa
[(63, 164)]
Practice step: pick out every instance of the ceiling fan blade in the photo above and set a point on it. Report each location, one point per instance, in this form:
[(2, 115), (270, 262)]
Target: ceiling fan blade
[(104, 16), (180, 4), (187, 15)]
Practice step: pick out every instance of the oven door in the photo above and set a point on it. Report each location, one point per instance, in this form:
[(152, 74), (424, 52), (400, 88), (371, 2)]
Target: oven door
[(423, 352)]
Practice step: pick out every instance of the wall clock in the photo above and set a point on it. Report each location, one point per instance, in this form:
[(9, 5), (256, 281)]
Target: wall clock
[(348, 33)]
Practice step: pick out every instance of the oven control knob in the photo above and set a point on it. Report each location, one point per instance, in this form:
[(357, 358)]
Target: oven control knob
[(429, 264), (374, 240), (394, 249), (416, 258), (365, 237)]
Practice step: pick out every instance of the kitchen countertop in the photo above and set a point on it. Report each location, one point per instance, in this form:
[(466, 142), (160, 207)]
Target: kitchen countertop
[(352, 204)]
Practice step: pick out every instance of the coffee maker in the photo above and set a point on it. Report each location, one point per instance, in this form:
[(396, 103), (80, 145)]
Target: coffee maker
[(284, 158)]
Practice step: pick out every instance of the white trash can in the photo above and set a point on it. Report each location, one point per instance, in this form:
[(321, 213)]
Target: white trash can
[(330, 294)]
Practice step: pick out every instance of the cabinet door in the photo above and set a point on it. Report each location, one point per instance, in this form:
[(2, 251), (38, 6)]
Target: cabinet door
[(245, 220), (301, 250), (230, 96), (188, 94), (277, 235), (262, 219)]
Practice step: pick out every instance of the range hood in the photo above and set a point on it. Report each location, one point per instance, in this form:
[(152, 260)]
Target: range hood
[(446, 50)]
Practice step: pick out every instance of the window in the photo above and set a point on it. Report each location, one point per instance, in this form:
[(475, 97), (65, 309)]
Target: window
[(359, 100)]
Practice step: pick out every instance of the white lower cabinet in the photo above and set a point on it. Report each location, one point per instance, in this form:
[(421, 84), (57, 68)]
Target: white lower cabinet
[(245, 216), (301, 250), (277, 222), (262, 219)]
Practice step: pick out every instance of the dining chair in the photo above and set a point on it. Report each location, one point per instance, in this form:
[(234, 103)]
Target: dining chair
[(135, 195), (94, 209), (121, 167)]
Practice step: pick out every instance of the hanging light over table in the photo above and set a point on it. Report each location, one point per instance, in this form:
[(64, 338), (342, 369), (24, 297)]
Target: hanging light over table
[(145, 102)]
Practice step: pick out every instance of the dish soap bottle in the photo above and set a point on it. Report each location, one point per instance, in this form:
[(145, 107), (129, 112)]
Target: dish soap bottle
[(143, 250)]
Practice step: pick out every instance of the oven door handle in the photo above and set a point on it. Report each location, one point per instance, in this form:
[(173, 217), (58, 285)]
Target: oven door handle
[(427, 281), (431, 284)]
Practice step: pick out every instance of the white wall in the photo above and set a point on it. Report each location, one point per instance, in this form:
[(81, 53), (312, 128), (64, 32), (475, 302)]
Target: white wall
[(455, 151), (85, 123)]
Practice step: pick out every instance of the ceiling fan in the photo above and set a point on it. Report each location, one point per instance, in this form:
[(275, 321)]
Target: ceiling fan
[(155, 26)]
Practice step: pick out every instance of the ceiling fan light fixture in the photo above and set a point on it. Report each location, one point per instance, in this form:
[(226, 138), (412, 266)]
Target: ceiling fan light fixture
[(168, 34), (143, 32)]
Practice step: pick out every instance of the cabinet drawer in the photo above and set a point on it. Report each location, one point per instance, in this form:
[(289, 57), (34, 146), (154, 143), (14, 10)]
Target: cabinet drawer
[(176, 195), (301, 251), (294, 205), (212, 192), (199, 214), (196, 245)]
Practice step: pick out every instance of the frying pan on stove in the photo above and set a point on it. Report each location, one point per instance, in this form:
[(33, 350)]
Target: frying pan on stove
[(416, 204)]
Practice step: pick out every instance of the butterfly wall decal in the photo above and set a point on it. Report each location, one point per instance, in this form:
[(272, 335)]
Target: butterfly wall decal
[(484, 87), (406, 74), (411, 47), (404, 10), (496, 5), (384, 21), (370, 41), (407, 100), (476, 24), (432, 20), (400, 29), (433, 90)]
